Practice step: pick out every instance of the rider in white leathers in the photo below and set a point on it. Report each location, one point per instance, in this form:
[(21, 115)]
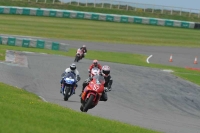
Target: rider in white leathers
[(73, 69)]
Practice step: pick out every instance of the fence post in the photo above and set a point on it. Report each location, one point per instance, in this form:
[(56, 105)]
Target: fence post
[(127, 7), (86, 3), (102, 5), (190, 13), (94, 3), (153, 9), (70, 2), (78, 2), (162, 10), (36, 1), (45, 1), (53, 1), (199, 14), (180, 11), (111, 4), (171, 10), (135, 7), (144, 7), (118, 4)]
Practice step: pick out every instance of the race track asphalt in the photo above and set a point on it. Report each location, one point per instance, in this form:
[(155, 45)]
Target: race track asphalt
[(141, 96)]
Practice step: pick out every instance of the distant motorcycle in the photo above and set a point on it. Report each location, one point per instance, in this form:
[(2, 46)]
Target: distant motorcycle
[(79, 54), (94, 72), (69, 83), (92, 93)]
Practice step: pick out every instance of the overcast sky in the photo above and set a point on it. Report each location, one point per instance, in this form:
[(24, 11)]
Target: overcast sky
[(194, 4)]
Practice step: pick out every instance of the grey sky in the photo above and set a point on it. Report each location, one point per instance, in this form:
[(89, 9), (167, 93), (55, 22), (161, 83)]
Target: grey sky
[(193, 4)]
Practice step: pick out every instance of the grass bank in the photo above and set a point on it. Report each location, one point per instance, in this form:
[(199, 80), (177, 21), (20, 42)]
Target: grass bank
[(184, 17), (23, 112), (98, 31), (123, 58)]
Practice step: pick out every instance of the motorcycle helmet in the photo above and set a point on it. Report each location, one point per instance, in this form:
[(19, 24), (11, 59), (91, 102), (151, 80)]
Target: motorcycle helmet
[(84, 46), (95, 62), (105, 70), (73, 66)]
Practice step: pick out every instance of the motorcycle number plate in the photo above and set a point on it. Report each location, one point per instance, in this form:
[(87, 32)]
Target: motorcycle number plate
[(96, 87)]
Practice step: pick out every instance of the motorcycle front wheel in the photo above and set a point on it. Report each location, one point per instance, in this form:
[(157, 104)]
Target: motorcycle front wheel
[(67, 95), (88, 104)]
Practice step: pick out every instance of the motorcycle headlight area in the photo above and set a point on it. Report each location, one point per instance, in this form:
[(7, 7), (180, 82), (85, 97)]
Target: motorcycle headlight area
[(69, 80)]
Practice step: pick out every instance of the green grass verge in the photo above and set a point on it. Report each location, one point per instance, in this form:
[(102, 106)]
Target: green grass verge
[(23, 112), (98, 31), (184, 17), (123, 58)]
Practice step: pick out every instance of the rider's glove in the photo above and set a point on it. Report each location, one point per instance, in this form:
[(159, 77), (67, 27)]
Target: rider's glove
[(109, 88), (106, 89), (78, 78)]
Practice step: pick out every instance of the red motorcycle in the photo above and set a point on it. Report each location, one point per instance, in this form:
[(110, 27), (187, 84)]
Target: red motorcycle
[(92, 93), (79, 54)]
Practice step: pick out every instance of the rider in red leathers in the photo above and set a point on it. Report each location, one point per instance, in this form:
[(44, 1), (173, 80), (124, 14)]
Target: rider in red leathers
[(94, 64), (84, 50), (105, 71)]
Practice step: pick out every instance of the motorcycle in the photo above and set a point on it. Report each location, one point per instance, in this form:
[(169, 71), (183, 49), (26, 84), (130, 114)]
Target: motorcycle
[(92, 93), (94, 72), (68, 86), (78, 56)]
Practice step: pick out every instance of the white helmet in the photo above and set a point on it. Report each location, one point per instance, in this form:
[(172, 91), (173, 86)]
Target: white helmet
[(105, 70), (73, 66)]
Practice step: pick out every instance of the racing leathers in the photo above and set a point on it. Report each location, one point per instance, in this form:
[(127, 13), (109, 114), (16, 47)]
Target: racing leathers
[(84, 50), (92, 66), (107, 87), (76, 72)]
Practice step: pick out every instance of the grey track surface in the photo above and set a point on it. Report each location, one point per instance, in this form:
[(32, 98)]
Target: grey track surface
[(182, 57), (141, 96)]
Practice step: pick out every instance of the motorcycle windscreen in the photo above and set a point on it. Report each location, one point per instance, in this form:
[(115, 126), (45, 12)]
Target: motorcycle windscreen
[(70, 78), (95, 70), (98, 79), (97, 84)]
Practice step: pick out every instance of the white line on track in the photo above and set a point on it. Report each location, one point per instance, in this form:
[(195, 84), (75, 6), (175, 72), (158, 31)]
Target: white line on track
[(43, 99), (149, 58)]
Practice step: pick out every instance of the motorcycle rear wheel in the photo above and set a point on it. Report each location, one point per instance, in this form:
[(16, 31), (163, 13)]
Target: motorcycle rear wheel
[(77, 58)]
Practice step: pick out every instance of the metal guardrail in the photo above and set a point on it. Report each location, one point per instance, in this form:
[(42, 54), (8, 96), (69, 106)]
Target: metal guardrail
[(94, 16), (34, 43), (130, 6)]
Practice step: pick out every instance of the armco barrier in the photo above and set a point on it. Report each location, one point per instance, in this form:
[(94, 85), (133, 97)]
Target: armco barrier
[(35, 43), (94, 16)]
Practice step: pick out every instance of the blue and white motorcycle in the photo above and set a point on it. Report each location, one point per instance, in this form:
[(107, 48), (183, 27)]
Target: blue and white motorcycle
[(69, 84)]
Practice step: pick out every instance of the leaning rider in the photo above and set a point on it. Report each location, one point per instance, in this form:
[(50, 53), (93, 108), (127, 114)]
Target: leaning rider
[(84, 50), (73, 69), (105, 72)]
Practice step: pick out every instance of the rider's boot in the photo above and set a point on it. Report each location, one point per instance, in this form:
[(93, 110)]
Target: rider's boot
[(61, 88), (74, 90)]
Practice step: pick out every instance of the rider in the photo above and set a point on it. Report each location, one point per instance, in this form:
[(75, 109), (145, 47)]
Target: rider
[(84, 50), (73, 69), (94, 64), (108, 82)]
